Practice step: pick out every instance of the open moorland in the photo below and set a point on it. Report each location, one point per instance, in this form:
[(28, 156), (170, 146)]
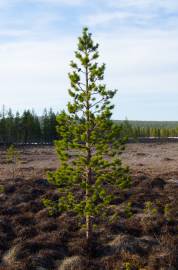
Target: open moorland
[(139, 232)]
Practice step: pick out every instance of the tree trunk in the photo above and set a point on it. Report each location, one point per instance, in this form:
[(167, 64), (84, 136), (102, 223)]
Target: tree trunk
[(89, 230), (89, 226)]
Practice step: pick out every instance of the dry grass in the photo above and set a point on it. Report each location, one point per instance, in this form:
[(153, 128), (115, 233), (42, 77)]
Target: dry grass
[(31, 239), (73, 263)]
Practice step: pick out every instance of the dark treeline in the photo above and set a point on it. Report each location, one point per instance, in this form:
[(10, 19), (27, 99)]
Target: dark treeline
[(136, 129), (27, 127)]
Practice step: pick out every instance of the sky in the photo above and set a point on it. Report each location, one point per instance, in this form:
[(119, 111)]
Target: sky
[(138, 42)]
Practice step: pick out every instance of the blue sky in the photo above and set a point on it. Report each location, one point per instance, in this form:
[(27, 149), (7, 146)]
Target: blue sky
[(138, 42)]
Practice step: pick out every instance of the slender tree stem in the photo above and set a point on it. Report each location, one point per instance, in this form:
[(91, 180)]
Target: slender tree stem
[(89, 172)]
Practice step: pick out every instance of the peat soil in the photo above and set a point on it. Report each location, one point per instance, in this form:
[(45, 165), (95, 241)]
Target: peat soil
[(139, 231)]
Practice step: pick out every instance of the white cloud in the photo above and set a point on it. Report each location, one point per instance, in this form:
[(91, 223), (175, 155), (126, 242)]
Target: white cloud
[(141, 62), (59, 2), (138, 12), (169, 5), (121, 17), (13, 33), (8, 3), (31, 26), (34, 74)]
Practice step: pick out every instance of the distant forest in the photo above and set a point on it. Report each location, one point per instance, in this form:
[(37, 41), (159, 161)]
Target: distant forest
[(156, 129), (28, 127)]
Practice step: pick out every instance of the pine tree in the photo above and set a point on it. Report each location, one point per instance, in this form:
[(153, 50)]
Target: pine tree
[(17, 125), (10, 127), (3, 129), (90, 143), (45, 126), (52, 125)]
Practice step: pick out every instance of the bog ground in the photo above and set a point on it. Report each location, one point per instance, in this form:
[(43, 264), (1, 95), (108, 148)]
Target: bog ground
[(139, 231)]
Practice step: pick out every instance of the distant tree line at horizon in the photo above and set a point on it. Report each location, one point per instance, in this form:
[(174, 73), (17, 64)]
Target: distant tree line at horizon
[(28, 127), (146, 129)]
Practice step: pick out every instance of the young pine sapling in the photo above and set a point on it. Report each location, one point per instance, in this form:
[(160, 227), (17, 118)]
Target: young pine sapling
[(90, 142)]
